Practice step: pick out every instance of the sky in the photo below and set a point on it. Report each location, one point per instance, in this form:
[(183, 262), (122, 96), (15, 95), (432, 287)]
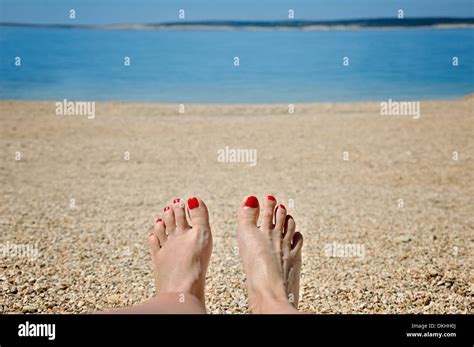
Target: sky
[(154, 11)]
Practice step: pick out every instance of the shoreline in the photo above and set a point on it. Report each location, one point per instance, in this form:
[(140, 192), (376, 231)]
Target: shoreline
[(239, 105)]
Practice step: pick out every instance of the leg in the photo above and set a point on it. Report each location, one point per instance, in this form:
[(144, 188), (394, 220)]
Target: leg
[(271, 256), (180, 256)]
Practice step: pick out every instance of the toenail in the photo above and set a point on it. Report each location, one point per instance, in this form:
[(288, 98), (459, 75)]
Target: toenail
[(193, 203), (252, 202), (159, 220), (175, 201), (271, 197), (282, 206), (166, 208)]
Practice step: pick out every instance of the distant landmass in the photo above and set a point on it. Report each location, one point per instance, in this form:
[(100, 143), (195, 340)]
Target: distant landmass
[(377, 23)]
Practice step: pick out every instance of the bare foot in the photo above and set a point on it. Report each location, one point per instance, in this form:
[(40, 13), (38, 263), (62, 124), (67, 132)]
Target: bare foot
[(271, 256), (180, 252)]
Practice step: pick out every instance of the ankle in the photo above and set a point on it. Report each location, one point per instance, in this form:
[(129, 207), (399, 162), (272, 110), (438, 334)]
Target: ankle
[(181, 302), (271, 303), (273, 307)]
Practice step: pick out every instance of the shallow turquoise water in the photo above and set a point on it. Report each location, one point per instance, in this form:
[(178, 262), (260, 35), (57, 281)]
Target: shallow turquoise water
[(198, 66)]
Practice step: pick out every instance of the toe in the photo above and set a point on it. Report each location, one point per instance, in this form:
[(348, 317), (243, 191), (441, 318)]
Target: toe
[(154, 244), (249, 211), (159, 231), (169, 219), (180, 214), (289, 231), (280, 217), (268, 212), (297, 243), (198, 212)]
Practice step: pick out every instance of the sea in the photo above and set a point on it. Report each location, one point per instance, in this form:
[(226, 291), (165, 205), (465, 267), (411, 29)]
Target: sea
[(235, 66)]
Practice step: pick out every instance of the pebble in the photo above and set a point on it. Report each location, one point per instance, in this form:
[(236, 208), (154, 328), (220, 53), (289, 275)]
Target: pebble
[(403, 238)]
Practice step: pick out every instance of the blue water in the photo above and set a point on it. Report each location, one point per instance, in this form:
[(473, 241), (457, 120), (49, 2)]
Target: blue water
[(197, 66)]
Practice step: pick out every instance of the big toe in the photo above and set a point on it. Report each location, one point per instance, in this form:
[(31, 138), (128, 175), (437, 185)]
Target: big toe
[(198, 212), (249, 211)]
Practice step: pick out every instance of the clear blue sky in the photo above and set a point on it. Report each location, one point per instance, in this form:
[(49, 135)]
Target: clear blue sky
[(149, 11)]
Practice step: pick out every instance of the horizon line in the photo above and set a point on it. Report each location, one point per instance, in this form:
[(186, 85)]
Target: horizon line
[(302, 24)]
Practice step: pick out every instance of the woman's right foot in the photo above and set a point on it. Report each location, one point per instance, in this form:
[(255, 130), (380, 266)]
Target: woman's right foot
[(271, 256)]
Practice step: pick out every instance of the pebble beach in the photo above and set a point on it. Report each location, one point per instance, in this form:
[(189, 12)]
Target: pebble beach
[(385, 203)]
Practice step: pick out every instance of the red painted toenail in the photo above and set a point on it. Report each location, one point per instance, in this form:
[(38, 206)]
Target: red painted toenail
[(252, 202), (166, 208), (282, 206), (159, 220), (175, 201), (271, 197), (193, 203)]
